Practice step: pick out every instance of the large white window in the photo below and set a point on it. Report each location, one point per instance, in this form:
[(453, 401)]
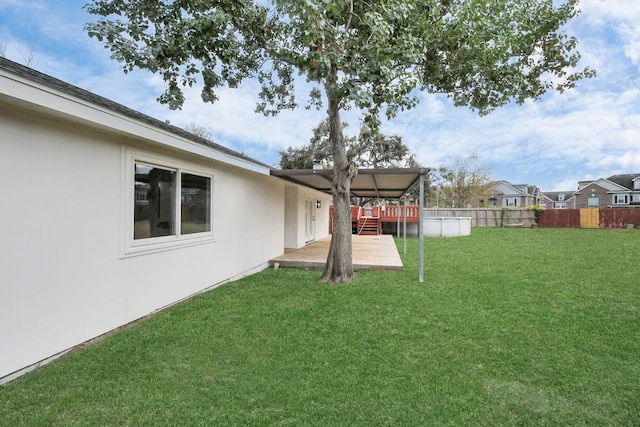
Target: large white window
[(593, 202), (167, 204), (156, 217), (511, 201), (560, 205)]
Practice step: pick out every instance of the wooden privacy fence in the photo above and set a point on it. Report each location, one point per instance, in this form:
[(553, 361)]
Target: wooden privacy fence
[(560, 218), (591, 218), (483, 217), (508, 217), (556, 218)]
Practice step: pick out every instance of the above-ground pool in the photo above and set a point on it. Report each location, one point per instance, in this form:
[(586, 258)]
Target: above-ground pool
[(446, 226)]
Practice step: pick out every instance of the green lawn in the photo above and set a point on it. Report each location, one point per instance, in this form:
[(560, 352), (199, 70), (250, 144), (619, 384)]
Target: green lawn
[(510, 327)]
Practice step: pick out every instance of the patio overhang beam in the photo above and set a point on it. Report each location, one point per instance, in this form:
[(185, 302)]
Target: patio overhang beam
[(390, 183)]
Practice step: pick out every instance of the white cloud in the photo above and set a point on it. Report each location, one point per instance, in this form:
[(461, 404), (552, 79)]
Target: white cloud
[(631, 35), (233, 119), (599, 11), (568, 184), (621, 16)]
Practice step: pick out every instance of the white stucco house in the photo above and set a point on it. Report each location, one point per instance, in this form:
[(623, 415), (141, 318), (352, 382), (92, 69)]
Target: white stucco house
[(110, 215)]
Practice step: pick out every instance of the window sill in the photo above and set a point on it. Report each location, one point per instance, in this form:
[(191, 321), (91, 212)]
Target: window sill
[(166, 245)]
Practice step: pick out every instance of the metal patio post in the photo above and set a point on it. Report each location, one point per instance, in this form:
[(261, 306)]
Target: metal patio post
[(420, 229), (405, 223)]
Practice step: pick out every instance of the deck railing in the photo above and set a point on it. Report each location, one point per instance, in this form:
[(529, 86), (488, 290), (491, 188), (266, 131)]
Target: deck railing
[(389, 214)]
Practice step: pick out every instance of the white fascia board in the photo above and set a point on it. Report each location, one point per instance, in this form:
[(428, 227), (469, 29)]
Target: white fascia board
[(611, 186), (509, 190), (55, 102)]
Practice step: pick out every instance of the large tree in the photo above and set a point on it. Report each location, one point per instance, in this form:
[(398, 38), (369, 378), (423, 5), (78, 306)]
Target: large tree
[(369, 149), (372, 55), (373, 149), (318, 150), (458, 184)]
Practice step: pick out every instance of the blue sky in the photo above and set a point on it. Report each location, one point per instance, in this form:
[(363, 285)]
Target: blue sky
[(586, 133)]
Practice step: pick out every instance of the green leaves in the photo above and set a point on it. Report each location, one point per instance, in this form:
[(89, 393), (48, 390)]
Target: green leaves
[(181, 40), (502, 51), (371, 55), (462, 181), (369, 149)]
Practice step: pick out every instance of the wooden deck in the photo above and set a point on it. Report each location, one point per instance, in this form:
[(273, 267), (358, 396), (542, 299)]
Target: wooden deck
[(369, 253), (371, 225)]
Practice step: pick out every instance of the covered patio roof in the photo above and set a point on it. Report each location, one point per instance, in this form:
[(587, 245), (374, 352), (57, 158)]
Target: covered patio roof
[(390, 183)]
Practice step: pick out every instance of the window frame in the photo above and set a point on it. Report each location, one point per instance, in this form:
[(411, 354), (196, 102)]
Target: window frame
[(131, 246), (625, 198)]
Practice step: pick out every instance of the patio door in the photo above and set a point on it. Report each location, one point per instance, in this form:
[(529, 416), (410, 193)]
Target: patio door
[(310, 220)]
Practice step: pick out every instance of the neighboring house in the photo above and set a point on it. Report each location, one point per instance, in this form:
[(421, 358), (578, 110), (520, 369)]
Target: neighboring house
[(615, 191), (504, 194), (632, 183), (557, 200), (110, 215)]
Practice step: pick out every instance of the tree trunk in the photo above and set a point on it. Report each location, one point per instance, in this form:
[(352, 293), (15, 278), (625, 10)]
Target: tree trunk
[(339, 267)]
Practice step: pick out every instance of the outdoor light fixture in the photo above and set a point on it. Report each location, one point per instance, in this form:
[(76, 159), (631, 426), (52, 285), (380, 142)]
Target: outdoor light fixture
[(318, 204)]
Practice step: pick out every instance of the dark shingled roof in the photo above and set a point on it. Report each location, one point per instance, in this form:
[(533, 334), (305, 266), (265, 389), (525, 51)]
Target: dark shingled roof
[(57, 84), (625, 180)]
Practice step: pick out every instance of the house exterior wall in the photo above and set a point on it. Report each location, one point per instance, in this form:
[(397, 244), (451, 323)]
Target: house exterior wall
[(552, 204), (504, 200), (321, 214), (63, 276), (582, 197), (296, 205), (504, 194), (291, 214)]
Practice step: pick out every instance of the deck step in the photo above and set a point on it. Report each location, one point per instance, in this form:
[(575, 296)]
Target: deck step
[(369, 226)]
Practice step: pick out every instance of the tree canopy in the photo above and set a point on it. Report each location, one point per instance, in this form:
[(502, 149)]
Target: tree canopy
[(457, 185), (369, 149), (317, 150), (482, 53), (371, 55)]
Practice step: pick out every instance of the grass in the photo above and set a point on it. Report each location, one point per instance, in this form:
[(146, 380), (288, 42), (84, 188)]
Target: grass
[(511, 327)]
